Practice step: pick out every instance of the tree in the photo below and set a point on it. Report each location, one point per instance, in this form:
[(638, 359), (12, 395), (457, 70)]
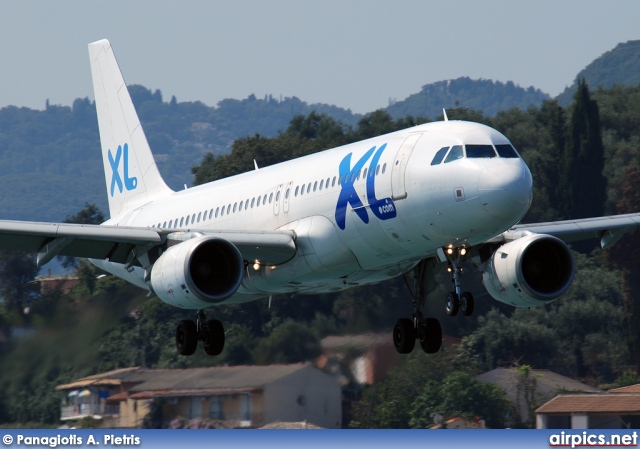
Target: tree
[(582, 186), (625, 256), (18, 288), (461, 395)]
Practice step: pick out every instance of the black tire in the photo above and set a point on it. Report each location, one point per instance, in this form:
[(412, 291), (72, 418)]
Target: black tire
[(432, 340), (404, 336), (186, 337), (214, 337), (451, 304), (467, 304)]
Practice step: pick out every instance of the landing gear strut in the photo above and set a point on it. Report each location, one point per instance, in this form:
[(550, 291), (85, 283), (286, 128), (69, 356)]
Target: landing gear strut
[(210, 332), (457, 300), (426, 330)]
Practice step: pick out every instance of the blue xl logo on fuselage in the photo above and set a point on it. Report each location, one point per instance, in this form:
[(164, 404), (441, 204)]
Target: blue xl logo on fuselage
[(383, 208), (116, 180)]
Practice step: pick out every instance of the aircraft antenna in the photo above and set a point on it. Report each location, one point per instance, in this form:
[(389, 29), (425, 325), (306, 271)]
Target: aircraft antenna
[(444, 112)]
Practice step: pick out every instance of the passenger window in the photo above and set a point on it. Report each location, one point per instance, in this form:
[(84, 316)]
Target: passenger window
[(364, 174), (326, 184), (199, 215), (286, 195), (507, 151), (455, 154), (164, 225), (181, 221), (218, 210), (297, 188), (378, 170), (235, 205), (278, 196), (339, 180), (264, 200), (228, 209), (211, 214), (240, 206), (170, 223), (309, 188), (186, 221), (333, 183), (384, 168), (480, 151), (193, 219), (253, 201), (439, 156), (321, 183), (315, 185), (270, 197)]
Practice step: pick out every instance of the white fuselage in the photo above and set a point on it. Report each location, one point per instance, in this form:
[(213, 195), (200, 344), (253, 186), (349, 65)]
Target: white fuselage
[(352, 227)]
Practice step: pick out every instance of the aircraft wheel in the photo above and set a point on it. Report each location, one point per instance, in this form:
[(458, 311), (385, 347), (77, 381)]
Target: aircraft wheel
[(186, 337), (432, 340), (452, 303), (214, 337), (404, 336), (466, 304)]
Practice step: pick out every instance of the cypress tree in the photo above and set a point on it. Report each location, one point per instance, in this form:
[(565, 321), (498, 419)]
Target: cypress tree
[(581, 184)]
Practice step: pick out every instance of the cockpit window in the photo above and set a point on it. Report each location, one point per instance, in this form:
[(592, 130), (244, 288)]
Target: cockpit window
[(477, 151), (439, 156), (506, 150), (455, 154)]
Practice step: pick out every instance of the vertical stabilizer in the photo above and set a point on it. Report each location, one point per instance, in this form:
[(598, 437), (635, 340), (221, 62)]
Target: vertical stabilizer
[(131, 174)]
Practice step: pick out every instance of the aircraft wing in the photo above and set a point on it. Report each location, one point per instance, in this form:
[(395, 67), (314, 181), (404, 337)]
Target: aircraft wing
[(607, 229), (116, 243)]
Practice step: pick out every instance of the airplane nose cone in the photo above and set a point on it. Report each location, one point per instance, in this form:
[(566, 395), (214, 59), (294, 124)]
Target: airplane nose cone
[(506, 191)]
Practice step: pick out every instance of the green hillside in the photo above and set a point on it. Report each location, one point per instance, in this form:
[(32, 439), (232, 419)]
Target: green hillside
[(620, 66), (487, 96)]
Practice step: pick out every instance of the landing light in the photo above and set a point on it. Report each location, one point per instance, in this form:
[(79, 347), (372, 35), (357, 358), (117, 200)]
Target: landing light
[(463, 251), (256, 265), (449, 251)]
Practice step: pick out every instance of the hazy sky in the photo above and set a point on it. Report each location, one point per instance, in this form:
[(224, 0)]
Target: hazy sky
[(351, 53)]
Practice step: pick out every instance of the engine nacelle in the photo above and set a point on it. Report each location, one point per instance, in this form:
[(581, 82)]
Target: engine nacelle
[(530, 271), (198, 273)]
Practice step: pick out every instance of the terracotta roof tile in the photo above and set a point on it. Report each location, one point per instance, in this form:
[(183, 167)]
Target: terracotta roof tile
[(628, 389), (593, 403)]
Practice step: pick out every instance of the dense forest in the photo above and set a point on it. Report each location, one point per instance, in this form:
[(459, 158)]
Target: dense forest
[(585, 161)]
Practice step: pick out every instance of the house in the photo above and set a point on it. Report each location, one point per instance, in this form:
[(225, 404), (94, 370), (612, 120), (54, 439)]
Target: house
[(598, 411), (545, 385), (62, 282), (239, 396)]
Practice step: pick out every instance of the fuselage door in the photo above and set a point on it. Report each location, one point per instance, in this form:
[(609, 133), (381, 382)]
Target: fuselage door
[(287, 194), (276, 200), (398, 189)]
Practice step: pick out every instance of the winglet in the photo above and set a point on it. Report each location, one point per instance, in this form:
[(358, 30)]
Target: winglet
[(444, 113), (131, 174)]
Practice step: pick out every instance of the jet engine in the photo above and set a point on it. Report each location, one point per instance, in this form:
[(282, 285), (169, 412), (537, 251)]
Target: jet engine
[(530, 271), (197, 273)]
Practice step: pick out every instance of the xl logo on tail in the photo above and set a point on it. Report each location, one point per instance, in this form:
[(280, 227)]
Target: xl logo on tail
[(116, 180), (384, 208)]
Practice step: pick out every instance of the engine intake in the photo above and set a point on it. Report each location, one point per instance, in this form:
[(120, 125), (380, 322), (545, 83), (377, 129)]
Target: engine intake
[(198, 273), (530, 271)]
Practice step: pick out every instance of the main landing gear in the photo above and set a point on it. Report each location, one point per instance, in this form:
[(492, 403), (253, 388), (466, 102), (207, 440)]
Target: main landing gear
[(209, 332), (426, 330)]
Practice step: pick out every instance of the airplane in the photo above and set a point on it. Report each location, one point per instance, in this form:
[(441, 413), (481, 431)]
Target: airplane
[(415, 201)]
